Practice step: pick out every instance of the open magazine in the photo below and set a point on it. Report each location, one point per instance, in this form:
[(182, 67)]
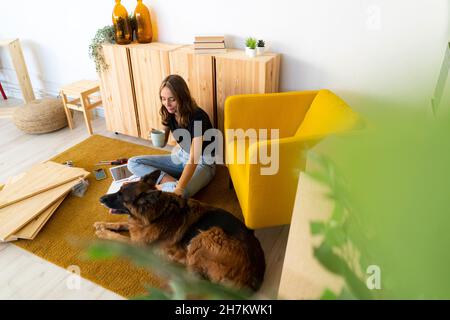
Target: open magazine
[(120, 175)]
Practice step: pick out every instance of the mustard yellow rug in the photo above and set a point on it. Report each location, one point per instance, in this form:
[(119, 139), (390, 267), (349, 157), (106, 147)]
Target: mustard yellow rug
[(75, 217)]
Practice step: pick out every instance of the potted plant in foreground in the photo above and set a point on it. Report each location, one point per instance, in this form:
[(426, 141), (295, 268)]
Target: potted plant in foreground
[(250, 47)]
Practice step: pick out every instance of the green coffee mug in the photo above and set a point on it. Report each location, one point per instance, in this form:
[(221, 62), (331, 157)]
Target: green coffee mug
[(157, 137)]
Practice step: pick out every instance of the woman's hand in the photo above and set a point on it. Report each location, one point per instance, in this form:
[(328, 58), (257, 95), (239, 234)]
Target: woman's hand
[(158, 187), (189, 169), (178, 191)]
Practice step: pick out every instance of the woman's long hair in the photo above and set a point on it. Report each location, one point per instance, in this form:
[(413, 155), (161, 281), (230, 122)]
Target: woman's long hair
[(186, 104)]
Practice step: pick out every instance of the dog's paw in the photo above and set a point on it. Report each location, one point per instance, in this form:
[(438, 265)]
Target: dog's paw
[(115, 226), (105, 234), (100, 225)]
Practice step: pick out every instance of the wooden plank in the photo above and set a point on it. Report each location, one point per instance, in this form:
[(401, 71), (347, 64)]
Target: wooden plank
[(17, 215), (41, 177), (32, 228), (197, 71), (117, 93), (20, 67)]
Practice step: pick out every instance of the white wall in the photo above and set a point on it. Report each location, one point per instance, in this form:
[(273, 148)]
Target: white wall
[(364, 50)]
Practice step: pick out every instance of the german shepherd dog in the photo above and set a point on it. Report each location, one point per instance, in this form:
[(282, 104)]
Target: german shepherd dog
[(209, 241)]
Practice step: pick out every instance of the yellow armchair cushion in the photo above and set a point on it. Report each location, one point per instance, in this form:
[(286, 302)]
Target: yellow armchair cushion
[(284, 111), (327, 114)]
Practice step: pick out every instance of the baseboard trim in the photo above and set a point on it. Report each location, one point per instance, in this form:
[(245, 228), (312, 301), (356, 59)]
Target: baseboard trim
[(13, 91)]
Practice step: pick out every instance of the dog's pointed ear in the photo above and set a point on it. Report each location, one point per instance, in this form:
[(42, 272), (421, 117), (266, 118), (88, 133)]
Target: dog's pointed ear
[(149, 197), (151, 178)]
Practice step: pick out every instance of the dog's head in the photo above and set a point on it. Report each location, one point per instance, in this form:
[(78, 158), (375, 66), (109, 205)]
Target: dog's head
[(137, 199)]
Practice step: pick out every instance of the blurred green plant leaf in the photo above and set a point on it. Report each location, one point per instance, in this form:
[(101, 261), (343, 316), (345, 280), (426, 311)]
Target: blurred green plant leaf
[(317, 227), (389, 184), (328, 295), (332, 262)]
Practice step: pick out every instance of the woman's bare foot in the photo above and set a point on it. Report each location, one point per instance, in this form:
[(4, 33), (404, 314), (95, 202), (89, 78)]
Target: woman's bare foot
[(166, 178)]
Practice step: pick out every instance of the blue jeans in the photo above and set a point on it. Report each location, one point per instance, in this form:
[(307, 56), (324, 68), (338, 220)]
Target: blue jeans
[(204, 173)]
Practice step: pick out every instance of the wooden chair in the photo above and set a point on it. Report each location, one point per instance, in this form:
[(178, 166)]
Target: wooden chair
[(80, 91)]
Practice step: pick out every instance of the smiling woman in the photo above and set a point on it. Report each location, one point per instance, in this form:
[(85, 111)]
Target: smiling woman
[(186, 171)]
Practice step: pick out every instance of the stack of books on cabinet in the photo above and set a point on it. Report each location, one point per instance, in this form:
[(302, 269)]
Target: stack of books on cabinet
[(209, 44), (29, 200)]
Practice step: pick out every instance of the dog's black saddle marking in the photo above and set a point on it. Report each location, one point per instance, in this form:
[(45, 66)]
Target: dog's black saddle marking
[(231, 225)]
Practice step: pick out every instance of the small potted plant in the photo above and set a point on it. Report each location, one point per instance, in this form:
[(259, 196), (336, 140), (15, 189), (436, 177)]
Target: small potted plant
[(260, 47), (250, 47)]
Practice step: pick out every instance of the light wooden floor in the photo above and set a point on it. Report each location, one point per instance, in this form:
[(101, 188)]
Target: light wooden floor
[(26, 276)]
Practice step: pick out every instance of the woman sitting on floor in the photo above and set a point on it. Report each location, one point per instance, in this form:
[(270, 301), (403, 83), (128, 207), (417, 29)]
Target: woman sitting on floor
[(189, 170)]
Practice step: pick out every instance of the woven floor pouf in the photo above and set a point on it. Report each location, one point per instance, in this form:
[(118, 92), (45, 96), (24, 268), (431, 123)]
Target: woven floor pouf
[(40, 116)]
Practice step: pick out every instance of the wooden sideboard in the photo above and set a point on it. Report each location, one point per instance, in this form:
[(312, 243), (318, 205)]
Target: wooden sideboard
[(130, 86), (302, 276)]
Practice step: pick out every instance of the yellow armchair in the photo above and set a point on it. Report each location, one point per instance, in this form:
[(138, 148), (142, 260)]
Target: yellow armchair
[(303, 119)]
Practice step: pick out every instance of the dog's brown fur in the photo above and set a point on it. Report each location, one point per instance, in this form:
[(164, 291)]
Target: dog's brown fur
[(208, 240)]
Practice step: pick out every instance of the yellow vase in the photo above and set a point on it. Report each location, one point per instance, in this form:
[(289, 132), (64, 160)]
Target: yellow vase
[(122, 28), (144, 32)]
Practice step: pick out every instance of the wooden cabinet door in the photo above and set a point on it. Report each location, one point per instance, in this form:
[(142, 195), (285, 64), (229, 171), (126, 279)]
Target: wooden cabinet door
[(238, 74), (198, 72), (150, 65), (117, 93)]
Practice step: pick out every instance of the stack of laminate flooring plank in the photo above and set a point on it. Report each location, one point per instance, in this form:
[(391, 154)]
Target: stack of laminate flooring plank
[(28, 201)]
